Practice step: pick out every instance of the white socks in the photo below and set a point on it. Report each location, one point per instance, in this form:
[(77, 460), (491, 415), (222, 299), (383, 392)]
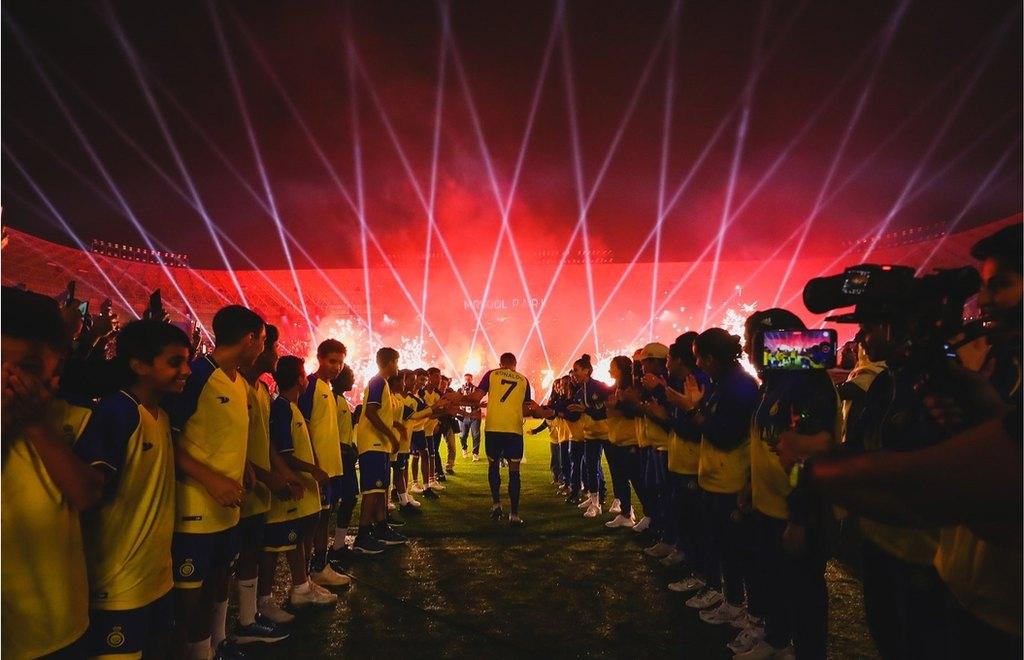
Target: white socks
[(247, 602), (220, 619)]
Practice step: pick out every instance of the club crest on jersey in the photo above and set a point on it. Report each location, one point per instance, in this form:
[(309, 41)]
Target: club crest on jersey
[(223, 399), (292, 536), (116, 638), (187, 569), (378, 484)]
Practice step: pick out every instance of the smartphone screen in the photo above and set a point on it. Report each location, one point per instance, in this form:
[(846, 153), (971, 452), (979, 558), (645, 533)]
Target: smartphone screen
[(799, 350), (83, 309)]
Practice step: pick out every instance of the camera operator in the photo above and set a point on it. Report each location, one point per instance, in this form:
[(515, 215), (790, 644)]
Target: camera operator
[(984, 575), (907, 322)]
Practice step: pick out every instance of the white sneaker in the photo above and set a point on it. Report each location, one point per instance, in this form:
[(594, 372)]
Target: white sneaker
[(584, 503), (270, 610), (762, 650), (676, 557), (320, 590), (593, 511), (686, 585), (642, 526), (414, 502), (476, 458), (435, 485), (659, 550), (465, 454), (748, 622), (704, 599), (621, 521), (724, 613), (415, 487), (746, 640), (330, 578), (307, 595), (616, 506), (391, 506)]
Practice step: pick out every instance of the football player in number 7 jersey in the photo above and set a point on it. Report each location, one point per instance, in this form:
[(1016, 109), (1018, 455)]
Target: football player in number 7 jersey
[(509, 399)]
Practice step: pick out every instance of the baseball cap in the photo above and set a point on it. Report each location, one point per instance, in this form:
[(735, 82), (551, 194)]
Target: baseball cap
[(655, 350)]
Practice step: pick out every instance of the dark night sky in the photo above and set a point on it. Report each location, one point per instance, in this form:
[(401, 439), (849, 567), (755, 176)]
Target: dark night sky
[(807, 50)]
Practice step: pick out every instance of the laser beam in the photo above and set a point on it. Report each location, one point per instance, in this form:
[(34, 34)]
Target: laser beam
[(154, 108), (250, 132)]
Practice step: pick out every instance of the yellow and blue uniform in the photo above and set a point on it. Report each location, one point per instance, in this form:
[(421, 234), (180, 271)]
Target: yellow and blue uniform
[(769, 483), (724, 465), (507, 391), (211, 420), (320, 409), (347, 436), (290, 435), (592, 395), (257, 500), (374, 446), (403, 417), (128, 536), (44, 585), (417, 434)]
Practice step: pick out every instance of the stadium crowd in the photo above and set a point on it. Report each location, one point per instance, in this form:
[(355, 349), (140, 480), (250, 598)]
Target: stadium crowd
[(143, 478)]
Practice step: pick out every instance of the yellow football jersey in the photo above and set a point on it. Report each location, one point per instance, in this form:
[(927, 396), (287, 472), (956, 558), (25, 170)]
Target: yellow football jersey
[(346, 429), (258, 499), (430, 397), (621, 429), (290, 435), (320, 409), (507, 390), (128, 536), (593, 394), (655, 435), (377, 394), (561, 429), (211, 418), (416, 423), (641, 431), (402, 414), (984, 577), (43, 581), (683, 455), (723, 471)]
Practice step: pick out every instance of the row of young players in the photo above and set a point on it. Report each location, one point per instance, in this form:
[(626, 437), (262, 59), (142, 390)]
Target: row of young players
[(697, 440), (675, 428), (122, 521)]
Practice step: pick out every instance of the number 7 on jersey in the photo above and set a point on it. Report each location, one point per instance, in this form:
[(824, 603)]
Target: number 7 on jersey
[(511, 386)]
